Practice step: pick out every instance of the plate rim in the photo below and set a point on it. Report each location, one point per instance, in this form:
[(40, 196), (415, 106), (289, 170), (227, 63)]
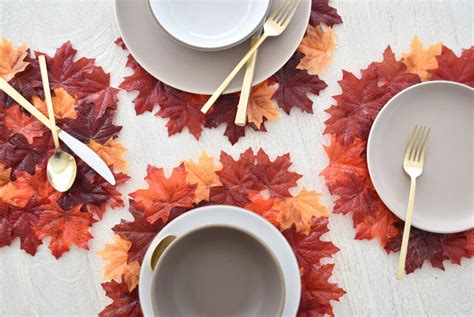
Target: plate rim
[(370, 163), (229, 90), (283, 245)]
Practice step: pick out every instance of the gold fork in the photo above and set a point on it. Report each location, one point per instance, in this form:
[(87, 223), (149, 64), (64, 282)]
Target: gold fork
[(413, 166), (274, 26)]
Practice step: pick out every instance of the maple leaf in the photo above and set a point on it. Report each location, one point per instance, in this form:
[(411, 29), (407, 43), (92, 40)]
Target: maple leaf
[(310, 249), (317, 46), (64, 227), (102, 100), (264, 207), (28, 82), (322, 12), (260, 104), (26, 186), (79, 78), (274, 175), (6, 236), (294, 85), (150, 89), (183, 111), (63, 103), (419, 61), (88, 126), (12, 60), (139, 231), (116, 255), (432, 247), (203, 174), (4, 175), (124, 303), (23, 220), (131, 275), (361, 99), (300, 210), (112, 153), (164, 194), (317, 292), (453, 68), (17, 121), (238, 180)]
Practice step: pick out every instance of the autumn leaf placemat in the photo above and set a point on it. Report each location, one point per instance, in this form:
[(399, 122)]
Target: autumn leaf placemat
[(254, 181), (290, 87), (85, 106), (349, 125)]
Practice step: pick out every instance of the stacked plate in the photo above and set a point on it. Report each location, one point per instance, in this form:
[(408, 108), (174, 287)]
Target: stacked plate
[(193, 45)]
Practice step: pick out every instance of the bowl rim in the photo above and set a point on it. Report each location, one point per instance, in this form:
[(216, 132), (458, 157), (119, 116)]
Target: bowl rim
[(212, 48)]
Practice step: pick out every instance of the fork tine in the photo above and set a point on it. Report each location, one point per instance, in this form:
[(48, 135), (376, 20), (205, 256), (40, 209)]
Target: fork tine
[(291, 12), (279, 10), (421, 154), (410, 143), (419, 138), (282, 14)]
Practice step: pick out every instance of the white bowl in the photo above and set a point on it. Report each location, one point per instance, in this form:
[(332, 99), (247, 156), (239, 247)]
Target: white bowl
[(210, 24)]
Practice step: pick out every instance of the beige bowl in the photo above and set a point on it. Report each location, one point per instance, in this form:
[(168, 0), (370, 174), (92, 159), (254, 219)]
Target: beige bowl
[(216, 271)]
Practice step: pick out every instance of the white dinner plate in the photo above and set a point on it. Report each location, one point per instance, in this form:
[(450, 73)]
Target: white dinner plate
[(210, 24), (444, 192), (239, 218), (197, 71)]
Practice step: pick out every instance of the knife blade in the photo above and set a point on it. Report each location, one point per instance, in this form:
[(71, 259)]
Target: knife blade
[(80, 149)]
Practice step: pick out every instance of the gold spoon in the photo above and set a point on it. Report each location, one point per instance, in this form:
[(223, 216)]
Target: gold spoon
[(61, 168)]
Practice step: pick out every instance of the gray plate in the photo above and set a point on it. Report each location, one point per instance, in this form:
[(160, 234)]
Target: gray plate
[(444, 192), (199, 71)]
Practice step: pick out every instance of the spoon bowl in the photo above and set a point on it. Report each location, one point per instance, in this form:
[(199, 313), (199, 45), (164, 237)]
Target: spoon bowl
[(61, 170)]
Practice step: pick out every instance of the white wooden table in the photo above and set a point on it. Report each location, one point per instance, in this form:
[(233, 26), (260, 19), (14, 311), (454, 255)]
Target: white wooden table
[(41, 285)]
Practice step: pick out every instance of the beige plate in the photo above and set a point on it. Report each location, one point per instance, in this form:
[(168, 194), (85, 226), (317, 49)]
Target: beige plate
[(444, 192), (198, 71)]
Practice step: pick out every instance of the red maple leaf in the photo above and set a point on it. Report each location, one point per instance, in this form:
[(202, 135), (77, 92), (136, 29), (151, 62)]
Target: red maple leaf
[(310, 249), (432, 247), (164, 194), (317, 292), (114, 200), (294, 85), (124, 303), (17, 121), (322, 12), (23, 220), (183, 111), (238, 180), (274, 175), (79, 78), (361, 99), (6, 236), (263, 207), (453, 68), (64, 227), (102, 100), (28, 82)]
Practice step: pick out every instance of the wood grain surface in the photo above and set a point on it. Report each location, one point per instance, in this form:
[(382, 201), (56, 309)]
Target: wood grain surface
[(41, 285)]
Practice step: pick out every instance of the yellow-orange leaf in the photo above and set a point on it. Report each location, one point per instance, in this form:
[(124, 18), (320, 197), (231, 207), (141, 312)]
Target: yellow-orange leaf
[(300, 210), (64, 104), (131, 275), (12, 60), (203, 174), (420, 60), (317, 46), (260, 104), (112, 153), (116, 254)]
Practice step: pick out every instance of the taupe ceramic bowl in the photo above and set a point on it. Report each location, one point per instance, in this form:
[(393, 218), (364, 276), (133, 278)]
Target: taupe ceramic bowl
[(216, 271)]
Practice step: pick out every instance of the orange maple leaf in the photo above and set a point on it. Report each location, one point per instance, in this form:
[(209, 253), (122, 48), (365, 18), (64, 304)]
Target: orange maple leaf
[(164, 194), (131, 275), (264, 207), (317, 46), (64, 104), (112, 153), (300, 210), (64, 227), (19, 122), (19, 192), (116, 254), (419, 61), (12, 60), (203, 174), (260, 104)]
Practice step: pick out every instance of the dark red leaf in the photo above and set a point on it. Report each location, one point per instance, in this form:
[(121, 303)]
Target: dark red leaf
[(124, 303), (322, 12), (6, 235), (453, 68)]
